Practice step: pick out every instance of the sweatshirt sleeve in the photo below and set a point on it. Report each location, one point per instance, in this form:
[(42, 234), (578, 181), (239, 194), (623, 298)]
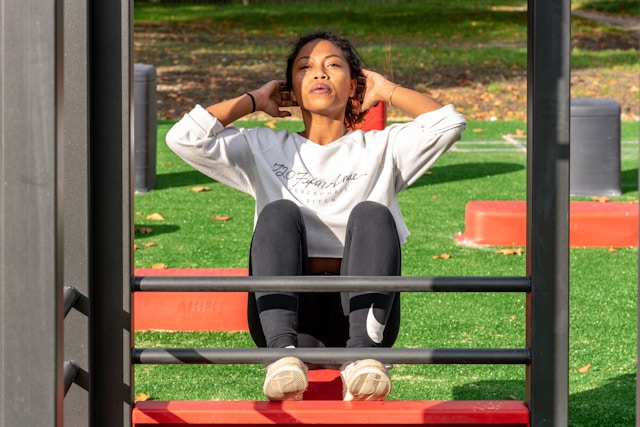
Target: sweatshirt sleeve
[(418, 144), (218, 152)]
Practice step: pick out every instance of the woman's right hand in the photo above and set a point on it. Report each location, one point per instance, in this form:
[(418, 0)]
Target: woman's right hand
[(272, 96)]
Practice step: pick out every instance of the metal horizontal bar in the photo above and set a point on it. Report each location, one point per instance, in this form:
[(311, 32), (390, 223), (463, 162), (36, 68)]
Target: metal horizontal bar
[(331, 355), (70, 372), (70, 296), (332, 283)]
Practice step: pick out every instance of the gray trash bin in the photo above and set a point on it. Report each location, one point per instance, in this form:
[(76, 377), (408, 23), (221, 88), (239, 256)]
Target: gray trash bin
[(595, 147), (145, 127)]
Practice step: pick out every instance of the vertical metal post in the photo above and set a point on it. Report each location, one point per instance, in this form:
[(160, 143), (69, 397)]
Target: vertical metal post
[(111, 209), (31, 304), (548, 54), (76, 206)]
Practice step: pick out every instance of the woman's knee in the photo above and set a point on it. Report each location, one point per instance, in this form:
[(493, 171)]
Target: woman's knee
[(279, 212), (372, 212)]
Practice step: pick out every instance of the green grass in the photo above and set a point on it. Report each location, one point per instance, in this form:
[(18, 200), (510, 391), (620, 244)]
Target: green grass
[(413, 36), (603, 288), (623, 7)]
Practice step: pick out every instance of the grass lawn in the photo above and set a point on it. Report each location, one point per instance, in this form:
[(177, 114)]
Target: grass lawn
[(603, 283)]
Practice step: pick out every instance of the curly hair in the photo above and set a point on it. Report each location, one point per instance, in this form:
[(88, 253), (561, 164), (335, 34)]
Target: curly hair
[(352, 114)]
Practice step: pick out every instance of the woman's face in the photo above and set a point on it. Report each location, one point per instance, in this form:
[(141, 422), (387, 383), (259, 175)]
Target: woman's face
[(321, 79)]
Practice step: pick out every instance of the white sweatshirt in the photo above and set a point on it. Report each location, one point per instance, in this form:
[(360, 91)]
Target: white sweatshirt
[(325, 181)]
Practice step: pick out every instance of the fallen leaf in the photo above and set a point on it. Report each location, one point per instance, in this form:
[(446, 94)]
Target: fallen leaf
[(159, 266), (135, 247), (271, 124), (144, 230), (510, 251), (585, 369), (155, 217), (612, 249), (442, 256), (601, 199), (148, 244), (141, 397), (221, 217), (199, 189), (519, 133), (478, 130)]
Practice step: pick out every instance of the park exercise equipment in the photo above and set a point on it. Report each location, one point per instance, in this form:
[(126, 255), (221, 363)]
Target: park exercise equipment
[(66, 217)]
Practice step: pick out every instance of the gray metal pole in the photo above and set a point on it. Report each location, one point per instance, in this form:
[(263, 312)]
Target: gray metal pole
[(76, 207), (332, 283), (332, 355), (31, 309), (111, 209), (548, 102)]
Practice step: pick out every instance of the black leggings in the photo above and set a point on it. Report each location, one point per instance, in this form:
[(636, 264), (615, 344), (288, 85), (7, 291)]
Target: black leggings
[(346, 319)]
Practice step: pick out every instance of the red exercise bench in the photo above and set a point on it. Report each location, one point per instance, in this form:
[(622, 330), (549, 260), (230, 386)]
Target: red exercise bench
[(323, 406)]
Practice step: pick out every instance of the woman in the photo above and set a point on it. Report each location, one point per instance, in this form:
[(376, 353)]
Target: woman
[(325, 201)]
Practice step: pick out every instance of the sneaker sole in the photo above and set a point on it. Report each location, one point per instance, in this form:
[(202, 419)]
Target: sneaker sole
[(286, 380), (368, 381)]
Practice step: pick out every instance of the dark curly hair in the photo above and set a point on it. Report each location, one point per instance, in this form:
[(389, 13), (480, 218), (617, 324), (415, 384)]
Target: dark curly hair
[(352, 114)]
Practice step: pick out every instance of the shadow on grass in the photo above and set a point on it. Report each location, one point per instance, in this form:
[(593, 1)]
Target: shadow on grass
[(613, 404), (156, 229), (610, 405), (464, 171), (629, 180), (491, 390), (182, 179)]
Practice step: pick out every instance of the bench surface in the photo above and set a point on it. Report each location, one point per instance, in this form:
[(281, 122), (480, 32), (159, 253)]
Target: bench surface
[(331, 413)]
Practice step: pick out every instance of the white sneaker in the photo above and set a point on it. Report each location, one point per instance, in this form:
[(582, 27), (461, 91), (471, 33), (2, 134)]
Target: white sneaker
[(365, 379), (286, 379)]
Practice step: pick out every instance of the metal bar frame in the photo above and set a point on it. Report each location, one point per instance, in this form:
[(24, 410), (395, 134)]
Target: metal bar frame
[(110, 210), (469, 356), (77, 257), (31, 252), (548, 121), (331, 284)]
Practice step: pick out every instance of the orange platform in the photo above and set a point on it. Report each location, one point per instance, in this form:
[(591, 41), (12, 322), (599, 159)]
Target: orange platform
[(503, 223), (190, 311)]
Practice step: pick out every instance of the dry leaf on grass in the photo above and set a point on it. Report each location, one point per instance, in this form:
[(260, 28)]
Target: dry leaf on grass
[(271, 124), (155, 217), (159, 266), (199, 189), (144, 230), (510, 251), (585, 369), (141, 397), (221, 217), (149, 244), (441, 256), (612, 249), (601, 199)]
